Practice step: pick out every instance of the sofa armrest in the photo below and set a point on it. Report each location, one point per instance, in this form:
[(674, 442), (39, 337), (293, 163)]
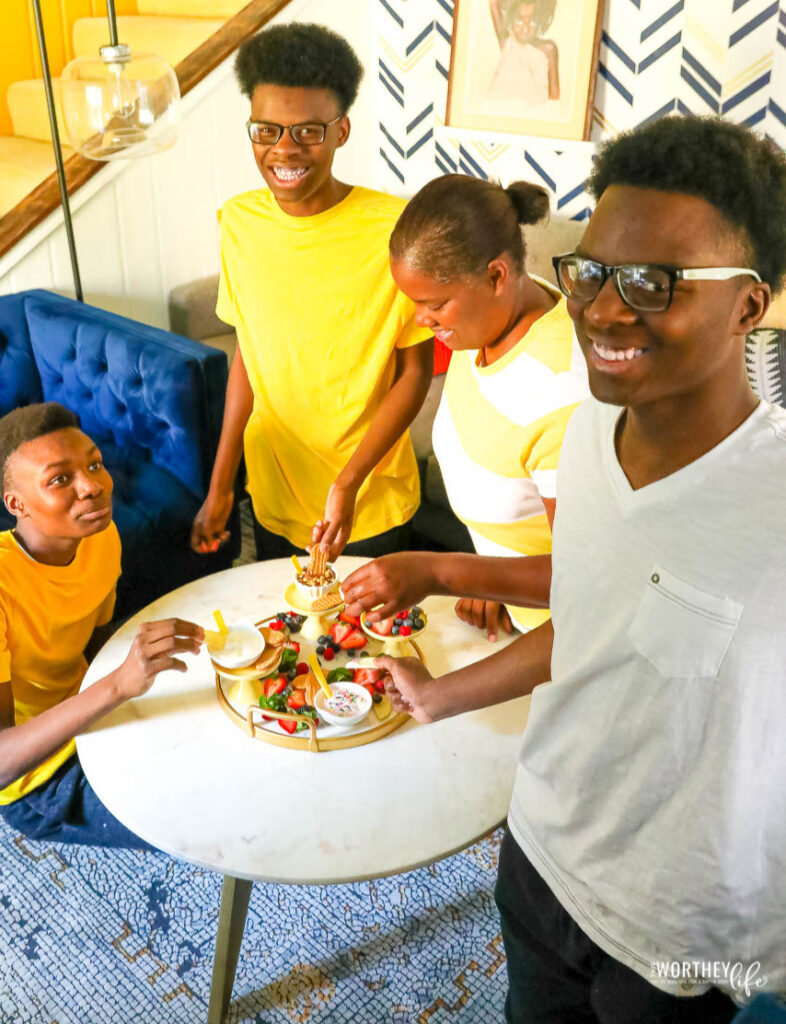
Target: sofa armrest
[(192, 309)]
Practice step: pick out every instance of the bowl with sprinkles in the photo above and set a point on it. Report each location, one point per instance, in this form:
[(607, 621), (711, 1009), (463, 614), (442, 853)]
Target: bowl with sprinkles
[(348, 704)]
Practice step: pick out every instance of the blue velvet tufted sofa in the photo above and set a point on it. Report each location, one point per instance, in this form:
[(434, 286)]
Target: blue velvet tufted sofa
[(153, 402)]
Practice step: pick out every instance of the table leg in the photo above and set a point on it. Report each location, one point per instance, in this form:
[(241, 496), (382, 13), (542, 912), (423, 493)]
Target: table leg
[(235, 894)]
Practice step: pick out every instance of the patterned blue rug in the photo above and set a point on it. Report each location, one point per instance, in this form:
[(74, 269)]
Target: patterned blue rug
[(90, 936)]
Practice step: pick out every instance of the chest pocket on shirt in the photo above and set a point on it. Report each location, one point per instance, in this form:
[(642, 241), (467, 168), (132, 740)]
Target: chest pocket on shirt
[(682, 630)]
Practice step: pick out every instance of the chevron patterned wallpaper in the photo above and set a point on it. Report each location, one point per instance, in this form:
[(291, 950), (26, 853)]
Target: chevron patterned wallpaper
[(725, 57)]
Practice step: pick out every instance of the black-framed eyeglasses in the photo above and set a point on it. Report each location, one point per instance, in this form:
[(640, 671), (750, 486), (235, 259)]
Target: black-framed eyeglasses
[(307, 133), (647, 287)]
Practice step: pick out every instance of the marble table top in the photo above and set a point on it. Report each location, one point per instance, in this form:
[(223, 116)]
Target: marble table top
[(172, 767)]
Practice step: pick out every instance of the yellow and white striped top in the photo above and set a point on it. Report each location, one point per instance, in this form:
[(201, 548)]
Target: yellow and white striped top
[(498, 433)]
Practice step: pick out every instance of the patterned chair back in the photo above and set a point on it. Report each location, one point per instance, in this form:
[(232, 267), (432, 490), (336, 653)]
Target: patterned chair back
[(765, 361)]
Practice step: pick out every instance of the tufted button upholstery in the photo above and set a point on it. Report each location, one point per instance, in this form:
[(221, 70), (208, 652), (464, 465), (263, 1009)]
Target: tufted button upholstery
[(90, 365), (152, 401), (20, 383)]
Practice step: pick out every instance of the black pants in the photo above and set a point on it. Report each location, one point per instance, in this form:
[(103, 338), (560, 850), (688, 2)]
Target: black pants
[(272, 545), (557, 975)]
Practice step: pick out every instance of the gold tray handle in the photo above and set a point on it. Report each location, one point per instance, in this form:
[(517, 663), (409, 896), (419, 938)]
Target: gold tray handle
[(287, 716)]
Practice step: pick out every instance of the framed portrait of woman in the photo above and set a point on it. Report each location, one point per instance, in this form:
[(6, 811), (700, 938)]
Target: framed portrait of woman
[(524, 66)]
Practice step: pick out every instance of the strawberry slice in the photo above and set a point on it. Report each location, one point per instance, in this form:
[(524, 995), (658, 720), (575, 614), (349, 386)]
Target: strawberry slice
[(277, 685), (296, 699), (353, 640), (353, 620), (370, 687), (339, 630), (363, 676), (384, 627), (287, 726)]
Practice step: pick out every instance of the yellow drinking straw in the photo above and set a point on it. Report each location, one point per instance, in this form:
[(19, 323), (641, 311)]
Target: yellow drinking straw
[(297, 565), (319, 675)]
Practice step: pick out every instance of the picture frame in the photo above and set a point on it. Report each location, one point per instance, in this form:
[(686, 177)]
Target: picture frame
[(524, 67)]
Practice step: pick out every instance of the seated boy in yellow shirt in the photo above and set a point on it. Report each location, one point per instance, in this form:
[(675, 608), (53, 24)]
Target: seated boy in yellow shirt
[(331, 367), (58, 571)]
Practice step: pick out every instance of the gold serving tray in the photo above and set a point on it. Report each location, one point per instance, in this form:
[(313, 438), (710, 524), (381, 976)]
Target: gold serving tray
[(252, 725)]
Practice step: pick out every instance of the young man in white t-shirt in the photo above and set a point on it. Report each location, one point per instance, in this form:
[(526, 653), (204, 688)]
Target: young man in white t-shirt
[(643, 876)]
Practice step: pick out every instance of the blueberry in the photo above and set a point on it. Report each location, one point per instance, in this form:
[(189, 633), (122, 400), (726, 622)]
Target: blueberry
[(291, 674), (418, 623), (320, 649), (395, 630), (417, 610), (398, 622), (377, 698), (323, 640), (295, 627), (364, 654), (407, 621)]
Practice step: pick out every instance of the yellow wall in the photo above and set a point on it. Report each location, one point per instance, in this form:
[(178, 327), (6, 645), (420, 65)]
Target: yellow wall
[(19, 57)]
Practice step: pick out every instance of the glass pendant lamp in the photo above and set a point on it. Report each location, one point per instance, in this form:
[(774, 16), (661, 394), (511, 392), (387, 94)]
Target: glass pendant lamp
[(118, 105)]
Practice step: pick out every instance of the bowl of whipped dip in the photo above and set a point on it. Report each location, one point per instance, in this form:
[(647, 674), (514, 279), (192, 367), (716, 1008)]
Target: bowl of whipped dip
[(242, 646), (348, 704)]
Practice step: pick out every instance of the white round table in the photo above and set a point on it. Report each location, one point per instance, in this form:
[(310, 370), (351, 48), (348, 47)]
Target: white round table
[(174, 769)]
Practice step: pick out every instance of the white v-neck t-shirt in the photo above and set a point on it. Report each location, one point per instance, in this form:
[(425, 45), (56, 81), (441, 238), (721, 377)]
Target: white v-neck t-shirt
[(651, 787)]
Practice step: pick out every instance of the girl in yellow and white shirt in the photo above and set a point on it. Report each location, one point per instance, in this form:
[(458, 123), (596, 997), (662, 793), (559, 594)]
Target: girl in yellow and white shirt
[(516, 376)]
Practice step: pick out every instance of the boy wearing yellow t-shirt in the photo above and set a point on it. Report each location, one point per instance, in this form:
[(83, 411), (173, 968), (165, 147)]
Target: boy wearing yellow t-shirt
[(58, 571), (330, 368)]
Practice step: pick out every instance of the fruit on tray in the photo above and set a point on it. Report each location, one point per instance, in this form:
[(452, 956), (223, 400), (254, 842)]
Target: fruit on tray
[(296, 699), (347, 636), (352, 620), (384, 627), (382, 707), (371, 678), (404, 623), (276, 685), (278, 699), (289, 620)]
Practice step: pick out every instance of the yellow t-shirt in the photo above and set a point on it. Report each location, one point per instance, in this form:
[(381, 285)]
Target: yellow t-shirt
[(498, 433), (47, 616), (318, 319)]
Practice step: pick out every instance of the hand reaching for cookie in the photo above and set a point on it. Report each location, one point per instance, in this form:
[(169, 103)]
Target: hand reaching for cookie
[(333, 531)]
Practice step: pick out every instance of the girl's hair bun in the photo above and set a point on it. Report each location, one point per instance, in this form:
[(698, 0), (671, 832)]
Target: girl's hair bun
[(530, 201)]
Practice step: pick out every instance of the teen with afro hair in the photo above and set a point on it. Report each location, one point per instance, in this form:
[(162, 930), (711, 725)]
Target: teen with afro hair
[(643, 862), (331, 367)]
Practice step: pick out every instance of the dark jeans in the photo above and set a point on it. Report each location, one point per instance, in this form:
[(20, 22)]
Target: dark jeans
[(65, 809), (272, 545), (557, 975)]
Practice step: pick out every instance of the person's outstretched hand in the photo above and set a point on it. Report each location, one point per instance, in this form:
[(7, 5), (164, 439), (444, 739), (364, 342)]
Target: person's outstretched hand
[(209, 531), (333, 531), (154, 650), (408, 684), (389, 584), (488, 615)]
